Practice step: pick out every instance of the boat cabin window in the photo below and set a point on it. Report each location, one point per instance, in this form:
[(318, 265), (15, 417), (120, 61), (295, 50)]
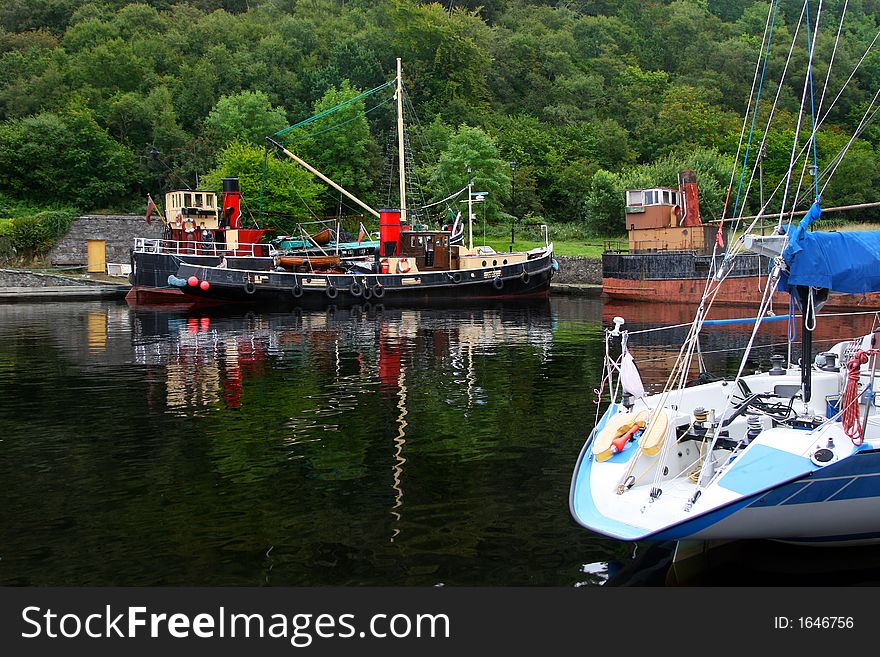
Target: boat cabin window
[(198, 200), (187, 200), (639, 197)]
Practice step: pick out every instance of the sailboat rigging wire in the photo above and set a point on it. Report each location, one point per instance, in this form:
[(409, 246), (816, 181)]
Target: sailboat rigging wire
[(797, 129), (444, 200), (831, 60), (426, 143), (780, 85), (821, 122), (765, 50), (311, 135), (812, 47), (320, 115), (832, 168), (851, 76)]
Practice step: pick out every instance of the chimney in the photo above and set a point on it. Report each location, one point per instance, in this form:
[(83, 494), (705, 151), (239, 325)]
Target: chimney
[(231, 204), (689, 198)]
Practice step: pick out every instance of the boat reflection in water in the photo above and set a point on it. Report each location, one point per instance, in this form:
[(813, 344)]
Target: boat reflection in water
[(362, 359), (211, 355)]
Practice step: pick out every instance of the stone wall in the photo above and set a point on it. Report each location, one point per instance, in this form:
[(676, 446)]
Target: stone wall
[(23, 278), (573, 269), (118, 231)]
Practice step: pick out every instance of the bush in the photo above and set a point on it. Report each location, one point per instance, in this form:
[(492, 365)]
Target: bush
[(57, 222), (30, 236)]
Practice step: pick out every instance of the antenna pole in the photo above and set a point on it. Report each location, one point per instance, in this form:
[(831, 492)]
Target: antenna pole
[(470, 187), (400, 143)]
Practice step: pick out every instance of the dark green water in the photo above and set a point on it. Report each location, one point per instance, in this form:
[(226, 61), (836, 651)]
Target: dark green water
[(402, 447), (423, 447)]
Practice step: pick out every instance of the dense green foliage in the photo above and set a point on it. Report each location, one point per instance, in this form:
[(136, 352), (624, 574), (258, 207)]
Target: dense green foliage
[(288, 190), (587, 97)]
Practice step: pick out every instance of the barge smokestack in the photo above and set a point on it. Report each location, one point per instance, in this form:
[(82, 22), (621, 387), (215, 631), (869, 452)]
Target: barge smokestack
[(690, 198), (231, 203)]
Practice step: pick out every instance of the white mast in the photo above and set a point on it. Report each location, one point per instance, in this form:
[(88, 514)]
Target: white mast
[(470, 186), (400, 143)]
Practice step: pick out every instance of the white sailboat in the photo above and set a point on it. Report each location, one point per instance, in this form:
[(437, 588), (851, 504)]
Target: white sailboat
[(792, 453)]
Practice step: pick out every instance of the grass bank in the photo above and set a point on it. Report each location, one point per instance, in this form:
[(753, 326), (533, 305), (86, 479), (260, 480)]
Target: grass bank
[(568, 239)]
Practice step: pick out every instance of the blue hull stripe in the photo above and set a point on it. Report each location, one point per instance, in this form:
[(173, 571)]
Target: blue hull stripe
[(761, 467), (855, 477)]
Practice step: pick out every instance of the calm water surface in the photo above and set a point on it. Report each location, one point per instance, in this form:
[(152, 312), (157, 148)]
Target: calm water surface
[(390, 447)]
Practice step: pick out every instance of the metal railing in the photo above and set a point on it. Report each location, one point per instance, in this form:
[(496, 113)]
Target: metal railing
[(186, 247)]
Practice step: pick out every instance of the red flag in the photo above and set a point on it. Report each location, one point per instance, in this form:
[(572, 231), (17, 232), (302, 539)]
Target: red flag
[(719, 238), (150, 207), (361, 234)]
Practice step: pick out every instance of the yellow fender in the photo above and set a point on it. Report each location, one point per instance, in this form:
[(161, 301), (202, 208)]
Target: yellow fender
[(614, 429), (658, 427)]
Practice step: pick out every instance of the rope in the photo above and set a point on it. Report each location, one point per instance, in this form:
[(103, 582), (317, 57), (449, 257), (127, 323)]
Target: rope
[(850, 406), (333, 109), (344, 123), (812, 46), (768, 35)]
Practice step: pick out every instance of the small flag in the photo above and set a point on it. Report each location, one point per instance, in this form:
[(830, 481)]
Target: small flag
[(719, 238), (150, 207), (361, 234)]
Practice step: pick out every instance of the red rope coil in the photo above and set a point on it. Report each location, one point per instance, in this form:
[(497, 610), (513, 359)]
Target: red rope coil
[(850, 405)]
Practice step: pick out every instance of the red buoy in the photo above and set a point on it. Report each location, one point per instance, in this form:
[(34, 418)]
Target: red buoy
[(619, 444), (204, 285), (193, 281)]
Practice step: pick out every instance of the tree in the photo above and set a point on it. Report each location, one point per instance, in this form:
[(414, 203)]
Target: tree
[(247, 117), (340, 145), (604, 204), (65, 157), (471, 147), (289, 189)]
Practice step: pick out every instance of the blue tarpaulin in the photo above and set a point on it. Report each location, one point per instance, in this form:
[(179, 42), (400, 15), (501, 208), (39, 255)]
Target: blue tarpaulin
[(846, 262)]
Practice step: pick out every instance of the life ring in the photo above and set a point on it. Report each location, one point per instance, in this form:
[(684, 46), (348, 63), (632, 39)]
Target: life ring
[(403, 266), (525, 276), (331, 292), (355, 289), (249, 287), (189, 226), (368, 293), (296, 290), (178, 220), (498, 282), (378, 291), (456, 277)]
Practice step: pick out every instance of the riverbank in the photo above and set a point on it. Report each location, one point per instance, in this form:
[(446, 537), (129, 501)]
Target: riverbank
[(576, 276), (20, 285)]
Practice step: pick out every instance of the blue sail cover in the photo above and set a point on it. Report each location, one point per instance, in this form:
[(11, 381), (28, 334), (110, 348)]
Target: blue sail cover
[(846, 262)]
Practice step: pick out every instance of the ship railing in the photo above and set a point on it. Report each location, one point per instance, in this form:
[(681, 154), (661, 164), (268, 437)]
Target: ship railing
[(186, 247), (615, 246)]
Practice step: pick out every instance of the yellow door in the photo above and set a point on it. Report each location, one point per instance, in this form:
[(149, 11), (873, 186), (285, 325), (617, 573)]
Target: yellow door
[(97, 256)]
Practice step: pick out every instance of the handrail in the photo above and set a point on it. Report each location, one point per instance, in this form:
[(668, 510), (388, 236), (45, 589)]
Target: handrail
[(184, 247)]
